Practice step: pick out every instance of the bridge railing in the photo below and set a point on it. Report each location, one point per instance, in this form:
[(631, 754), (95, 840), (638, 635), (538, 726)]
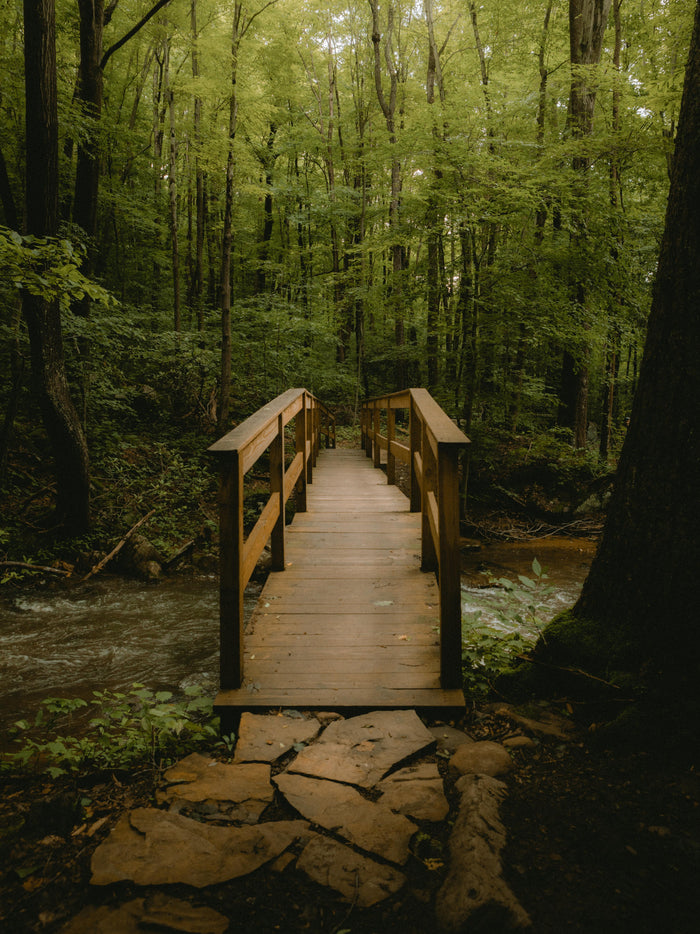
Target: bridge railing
[(237, 452), (427, 440)]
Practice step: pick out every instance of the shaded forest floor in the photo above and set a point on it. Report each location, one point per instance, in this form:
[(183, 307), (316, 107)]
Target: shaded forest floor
[(600, 840)]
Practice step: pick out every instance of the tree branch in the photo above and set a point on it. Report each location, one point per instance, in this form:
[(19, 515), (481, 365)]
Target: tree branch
[(132, 32)]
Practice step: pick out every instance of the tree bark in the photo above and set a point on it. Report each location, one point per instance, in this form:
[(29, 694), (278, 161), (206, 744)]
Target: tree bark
[(197, 291), (172, 197), (388, 108), (588, 20), (68, 444)]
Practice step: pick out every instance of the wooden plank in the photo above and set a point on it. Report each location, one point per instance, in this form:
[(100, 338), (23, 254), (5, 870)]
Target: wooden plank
[(292, 474), (282, 639), (338, 699), (258, 537)]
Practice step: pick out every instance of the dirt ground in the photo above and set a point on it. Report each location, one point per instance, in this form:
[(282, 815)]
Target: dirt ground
[(600, 840)]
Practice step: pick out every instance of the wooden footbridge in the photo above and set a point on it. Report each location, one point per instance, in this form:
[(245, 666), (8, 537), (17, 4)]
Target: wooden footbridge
[(361, 609)]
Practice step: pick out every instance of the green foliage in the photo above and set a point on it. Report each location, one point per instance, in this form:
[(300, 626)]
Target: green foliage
[(48, 267), (141, 728), (489, 650)]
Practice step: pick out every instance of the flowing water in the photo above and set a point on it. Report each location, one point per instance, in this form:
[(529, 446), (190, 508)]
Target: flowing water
[(564, 561), (110, 634)]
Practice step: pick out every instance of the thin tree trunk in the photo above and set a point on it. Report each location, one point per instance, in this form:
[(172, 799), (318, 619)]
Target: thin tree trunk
[(388, 108), (172, 198), (227, 236), (587, 23)]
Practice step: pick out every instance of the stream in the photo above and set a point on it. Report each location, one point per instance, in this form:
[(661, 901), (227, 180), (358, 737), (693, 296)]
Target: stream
[(112, 633)]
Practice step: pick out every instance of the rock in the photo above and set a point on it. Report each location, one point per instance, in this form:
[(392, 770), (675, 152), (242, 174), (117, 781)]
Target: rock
[(474, 896), (359, 879), (518, 742), (361, 750), (153, 847), (486, 758), (264, 738), (449, 739), (238, 792), (157, 912), (416, 791), (343, 810), (140, 557), (546, 724)]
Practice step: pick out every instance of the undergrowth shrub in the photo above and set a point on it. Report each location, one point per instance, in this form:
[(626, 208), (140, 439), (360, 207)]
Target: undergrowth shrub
[(141, 728)]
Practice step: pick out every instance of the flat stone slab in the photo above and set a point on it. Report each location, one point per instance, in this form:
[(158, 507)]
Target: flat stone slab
[(416, 791), (484, 758), (361, 750), (266, 737), (359, 879), (239, 792), (153, 847), (369, 826), (156, 912)]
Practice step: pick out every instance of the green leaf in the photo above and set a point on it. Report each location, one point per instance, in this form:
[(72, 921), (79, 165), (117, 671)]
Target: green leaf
[(536, 568)]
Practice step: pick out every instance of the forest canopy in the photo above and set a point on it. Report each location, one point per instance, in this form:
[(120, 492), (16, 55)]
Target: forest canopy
[(258, 194)]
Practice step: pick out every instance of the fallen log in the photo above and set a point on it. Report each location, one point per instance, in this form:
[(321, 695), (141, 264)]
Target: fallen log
[(34, 567), (115, 551)]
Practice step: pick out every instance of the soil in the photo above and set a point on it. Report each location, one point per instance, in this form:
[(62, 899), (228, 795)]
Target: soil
[(599, 840)]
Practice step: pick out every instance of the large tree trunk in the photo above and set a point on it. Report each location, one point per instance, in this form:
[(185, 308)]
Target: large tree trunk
[(43, 318), (640, 601)]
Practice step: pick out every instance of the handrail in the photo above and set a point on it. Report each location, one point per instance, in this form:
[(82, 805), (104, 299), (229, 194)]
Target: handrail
[(431, 451), (237, 452)]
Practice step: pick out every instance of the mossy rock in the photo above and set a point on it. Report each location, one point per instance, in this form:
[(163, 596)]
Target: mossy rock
[(587, 643), (575, 657)]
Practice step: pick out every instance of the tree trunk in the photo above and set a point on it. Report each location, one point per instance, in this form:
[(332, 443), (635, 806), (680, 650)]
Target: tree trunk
[(388, 107), (43, 317), (172, 198), (227, 236), (587, 23), (434, 291), (197, 290)]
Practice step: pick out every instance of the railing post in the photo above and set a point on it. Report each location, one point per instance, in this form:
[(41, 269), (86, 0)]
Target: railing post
[(449, 562), (230, 555), (300, 428), (429, 556), (317, 429), (277, 487), (414, 434), (376, 431), (390, 431), (309, 440)]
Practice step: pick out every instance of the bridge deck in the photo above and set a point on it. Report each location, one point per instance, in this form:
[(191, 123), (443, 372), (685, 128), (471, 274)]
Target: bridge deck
[(352, 622)]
